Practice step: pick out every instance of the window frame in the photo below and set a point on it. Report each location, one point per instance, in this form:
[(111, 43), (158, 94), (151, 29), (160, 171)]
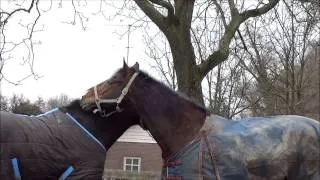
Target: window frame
[(131, 165)]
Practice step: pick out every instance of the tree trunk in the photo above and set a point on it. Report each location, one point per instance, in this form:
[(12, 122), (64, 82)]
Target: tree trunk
[(176, 26), (184, 59), (189, 81)]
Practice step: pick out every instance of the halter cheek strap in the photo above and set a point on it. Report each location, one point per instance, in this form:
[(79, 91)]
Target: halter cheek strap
[(118, 100)]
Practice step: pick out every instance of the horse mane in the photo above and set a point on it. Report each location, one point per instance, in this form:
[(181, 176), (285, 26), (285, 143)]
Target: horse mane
[(75, 108), (74, 104), (146, 77)]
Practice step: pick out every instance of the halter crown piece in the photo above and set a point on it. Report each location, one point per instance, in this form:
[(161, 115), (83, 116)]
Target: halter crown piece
[(118, 100)]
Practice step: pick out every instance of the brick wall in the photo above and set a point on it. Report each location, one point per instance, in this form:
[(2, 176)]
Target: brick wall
[(150, 154)]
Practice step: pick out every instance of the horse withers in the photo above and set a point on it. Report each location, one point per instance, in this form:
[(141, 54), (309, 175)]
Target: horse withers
[(66, 142), (199, 145)]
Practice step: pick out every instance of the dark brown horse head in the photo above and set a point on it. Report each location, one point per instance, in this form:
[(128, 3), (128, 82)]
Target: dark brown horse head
[(172, 120), (111, 89)]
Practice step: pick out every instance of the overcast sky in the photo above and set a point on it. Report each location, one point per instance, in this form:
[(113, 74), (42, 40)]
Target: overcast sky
[(69, 59)]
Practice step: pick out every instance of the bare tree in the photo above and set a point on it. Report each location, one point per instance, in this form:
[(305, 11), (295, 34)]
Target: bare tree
[(159, 52), (23, 16), (40, 103), (31, 13), (310, 105), (21, 105), (279, 61), (176, 19), (57, 101), (230, 86), (176, 25), (225, 92), (4, 105)]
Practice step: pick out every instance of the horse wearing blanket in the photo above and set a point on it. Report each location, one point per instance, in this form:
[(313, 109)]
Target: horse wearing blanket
[(198, 145), (255, 148), (63, 143)]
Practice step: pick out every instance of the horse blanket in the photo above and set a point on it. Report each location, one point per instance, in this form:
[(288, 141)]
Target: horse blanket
[(50, 146), (270, 148)]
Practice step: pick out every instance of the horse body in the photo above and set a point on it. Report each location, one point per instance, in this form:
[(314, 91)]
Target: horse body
[(48, 145), (270, 148), (195, 145)]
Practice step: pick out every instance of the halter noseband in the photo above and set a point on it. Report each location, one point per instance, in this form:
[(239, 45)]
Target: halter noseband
[(118, 100)]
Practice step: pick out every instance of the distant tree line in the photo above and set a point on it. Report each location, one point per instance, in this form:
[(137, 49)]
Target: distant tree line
[(19, 104)]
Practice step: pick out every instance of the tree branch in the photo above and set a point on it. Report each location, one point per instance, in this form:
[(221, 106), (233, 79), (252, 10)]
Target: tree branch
[(221, 12), (259, 11), (152, 13), (27, 42), (76, 13), (166, 5), (222, 53), (233, 8), (10, 14)]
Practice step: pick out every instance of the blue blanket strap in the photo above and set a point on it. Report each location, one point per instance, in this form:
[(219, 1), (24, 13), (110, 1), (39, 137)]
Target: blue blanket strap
[(74, 120), (15, 168), (46, 113), (85, 130), (66, 173)]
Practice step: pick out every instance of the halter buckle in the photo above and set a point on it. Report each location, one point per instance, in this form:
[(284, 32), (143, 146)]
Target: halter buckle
[(124, 91)]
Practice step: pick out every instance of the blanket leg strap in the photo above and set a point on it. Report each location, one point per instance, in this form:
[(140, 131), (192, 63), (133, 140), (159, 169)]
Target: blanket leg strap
[(200, 173), (66, 173), (15, 168), (212, 154)]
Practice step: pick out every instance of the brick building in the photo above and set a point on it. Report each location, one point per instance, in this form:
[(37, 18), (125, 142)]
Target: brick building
[(135, 155)]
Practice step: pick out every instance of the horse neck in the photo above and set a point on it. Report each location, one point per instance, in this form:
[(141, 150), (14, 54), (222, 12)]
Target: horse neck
[(172, 120), (107, 131)]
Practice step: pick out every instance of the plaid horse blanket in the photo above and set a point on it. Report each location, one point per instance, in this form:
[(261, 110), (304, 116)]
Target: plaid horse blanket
[(270, 148), (50, 146)]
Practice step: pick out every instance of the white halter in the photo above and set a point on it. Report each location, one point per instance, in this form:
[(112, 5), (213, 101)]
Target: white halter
[(118, 100)]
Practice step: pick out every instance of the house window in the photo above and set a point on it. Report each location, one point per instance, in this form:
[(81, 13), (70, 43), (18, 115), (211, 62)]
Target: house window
[(132, 164)]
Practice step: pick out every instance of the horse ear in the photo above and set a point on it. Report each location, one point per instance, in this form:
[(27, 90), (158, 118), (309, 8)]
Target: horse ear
[(125, 66), (136, 66)]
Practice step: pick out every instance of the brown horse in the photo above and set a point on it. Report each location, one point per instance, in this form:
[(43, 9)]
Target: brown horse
[(66, 142), (197, 145)]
